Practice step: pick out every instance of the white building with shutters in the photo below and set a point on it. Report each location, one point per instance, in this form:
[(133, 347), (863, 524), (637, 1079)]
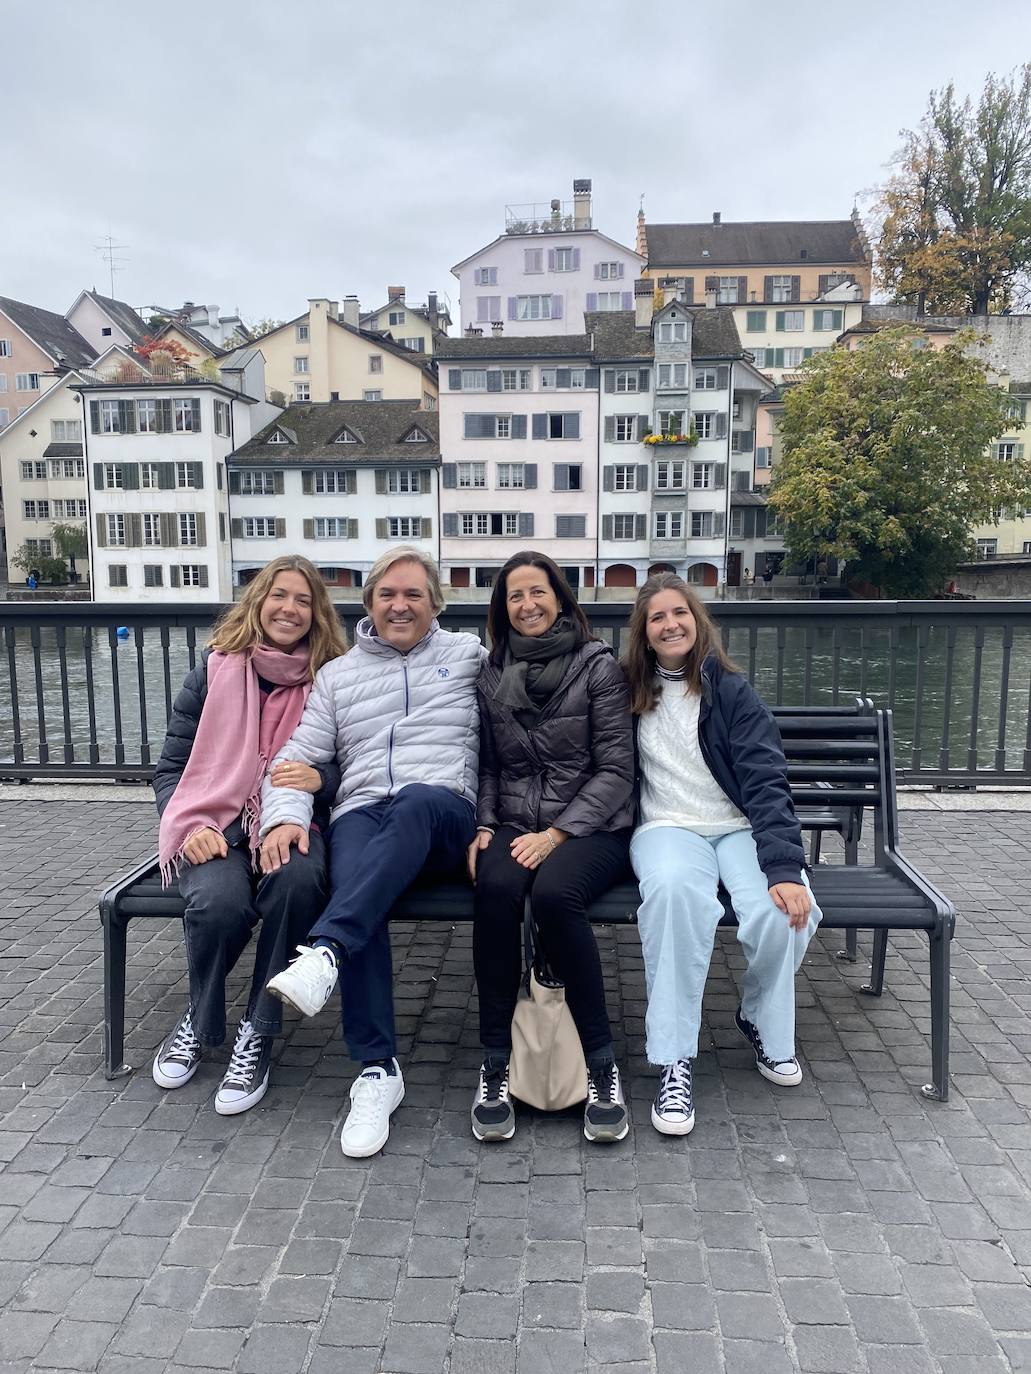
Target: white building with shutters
[(340, 482), (519, 452)]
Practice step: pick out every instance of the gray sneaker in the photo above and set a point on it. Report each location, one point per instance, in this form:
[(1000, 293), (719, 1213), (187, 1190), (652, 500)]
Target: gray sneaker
[(605, 1116)]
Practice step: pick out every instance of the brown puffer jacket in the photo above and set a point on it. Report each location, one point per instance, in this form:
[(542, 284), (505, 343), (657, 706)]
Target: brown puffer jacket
[(575, 769)]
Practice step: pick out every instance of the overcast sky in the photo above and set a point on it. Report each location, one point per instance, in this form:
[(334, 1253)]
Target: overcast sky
[(258, 153)]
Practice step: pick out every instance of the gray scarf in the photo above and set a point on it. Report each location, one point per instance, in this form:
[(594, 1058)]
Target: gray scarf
[(534, 667)]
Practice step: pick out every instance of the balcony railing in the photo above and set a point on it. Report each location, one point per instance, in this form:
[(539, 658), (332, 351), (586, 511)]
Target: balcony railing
[(86, 689), (552, 218)]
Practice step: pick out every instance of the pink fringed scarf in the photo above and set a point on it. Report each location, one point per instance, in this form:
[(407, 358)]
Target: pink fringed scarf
[(237, 737)]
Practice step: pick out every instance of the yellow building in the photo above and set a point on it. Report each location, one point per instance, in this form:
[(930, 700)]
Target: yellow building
[(324, 355), (415, 327)]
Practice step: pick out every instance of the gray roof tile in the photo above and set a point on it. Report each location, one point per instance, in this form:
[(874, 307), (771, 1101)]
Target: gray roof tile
[(380, 427), (50, 331), (500, 346), (758, 243)]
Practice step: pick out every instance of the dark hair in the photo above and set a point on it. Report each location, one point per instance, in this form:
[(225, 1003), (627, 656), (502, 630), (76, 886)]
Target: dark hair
[(498, 622), (639, 659)]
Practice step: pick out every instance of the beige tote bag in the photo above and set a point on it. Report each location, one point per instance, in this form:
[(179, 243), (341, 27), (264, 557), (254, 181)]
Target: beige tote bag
[(547, 1068)]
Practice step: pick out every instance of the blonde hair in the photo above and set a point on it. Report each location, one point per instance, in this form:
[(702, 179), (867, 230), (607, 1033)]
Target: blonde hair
[(239, 630), (404, 553), (639, 659)]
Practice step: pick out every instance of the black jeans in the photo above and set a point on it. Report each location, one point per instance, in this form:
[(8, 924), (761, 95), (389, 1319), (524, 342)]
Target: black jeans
[(375, 853), (225, 900), (562, 889)]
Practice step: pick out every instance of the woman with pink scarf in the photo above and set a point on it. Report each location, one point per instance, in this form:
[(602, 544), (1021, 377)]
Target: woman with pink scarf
[(236, 710)]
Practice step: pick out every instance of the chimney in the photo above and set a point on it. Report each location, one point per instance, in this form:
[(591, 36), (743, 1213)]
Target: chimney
[(395, 294), (582, 204), (710, 300), (644, 302), (350, 312), (497, 326), (716, 217), (431, 310), (641, 243)]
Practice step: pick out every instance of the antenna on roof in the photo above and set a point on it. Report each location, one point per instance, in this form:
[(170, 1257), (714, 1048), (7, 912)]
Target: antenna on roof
[(108, 249)]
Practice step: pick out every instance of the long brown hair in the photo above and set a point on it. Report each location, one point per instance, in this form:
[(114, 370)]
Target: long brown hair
[(498, 623), (639, 659), (239, 630)]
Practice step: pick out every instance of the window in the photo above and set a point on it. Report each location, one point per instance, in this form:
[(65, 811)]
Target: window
[(625, 429), (344, 437), (533, 259), (70, 510), (152, 531), (772, 523), (570, 526), (185, 475), (110, 418), (375, 362), (557, 425), (627, 378), (485, 276), (826, 319), (671, 421), (147, 421), (622, 527), (534, 308), (333, 482), (762, 457), (1006, 452), (705, 424), (114, 477), (5, 348), (301, 333), (673, 331), (703, 476), (258, 527), (3, 381), (610, 300), (68, 469), (402, 481), (474, 379), (781, 289), (472, 474), (726, 290), (187, 415), (5, 416), (34, 471), (1016, 410), (396, 317), (566, 259), (609, 271), (1026, 546), (706, 378), (116, 529), (511, 476), (833, 279), (26, 381), (302, 392), (987, 548), (488, 308), (414, 345), (188, 529), (624, 477), (474, 523), (222, 418), (404, 527), (673, 375), (755, 321), (374, 395), (331, 527), (515, 379), (257, 483), (791, 321), (40, 546), (669, 524), (190, 574), (737, 523), (66, 431), (568, 477), (670, 476), (36, 510), (117, 575), (482, 523), (759, 357), (555, 378), (701, 524), (153, 575)]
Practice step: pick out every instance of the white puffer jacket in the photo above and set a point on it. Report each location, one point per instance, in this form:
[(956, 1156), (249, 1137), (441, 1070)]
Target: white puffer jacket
[(389, 719)]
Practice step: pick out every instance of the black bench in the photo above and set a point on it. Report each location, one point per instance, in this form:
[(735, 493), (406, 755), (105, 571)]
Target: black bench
[(841, 766)]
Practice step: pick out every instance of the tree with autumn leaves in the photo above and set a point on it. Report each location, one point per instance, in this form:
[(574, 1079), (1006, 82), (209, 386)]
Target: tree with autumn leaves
[(887, 462), (955, 214)]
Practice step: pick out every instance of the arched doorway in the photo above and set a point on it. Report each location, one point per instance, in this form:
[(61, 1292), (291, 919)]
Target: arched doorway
[(660, 567), (620, 575), (703, 575)]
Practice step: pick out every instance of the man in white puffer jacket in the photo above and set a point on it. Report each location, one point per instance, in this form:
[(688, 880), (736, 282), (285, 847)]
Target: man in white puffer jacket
[(399, 715)]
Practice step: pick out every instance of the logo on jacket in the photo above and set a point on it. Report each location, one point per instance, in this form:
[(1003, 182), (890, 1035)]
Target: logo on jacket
[(443, 672)]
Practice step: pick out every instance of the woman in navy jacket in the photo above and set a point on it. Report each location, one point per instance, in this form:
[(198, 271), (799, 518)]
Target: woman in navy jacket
[(715, 808)]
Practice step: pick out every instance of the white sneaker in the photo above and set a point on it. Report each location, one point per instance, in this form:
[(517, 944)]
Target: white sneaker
[(307, 981), (374, 1095)]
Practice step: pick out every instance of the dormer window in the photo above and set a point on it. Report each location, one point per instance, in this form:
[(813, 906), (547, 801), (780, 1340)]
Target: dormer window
[(416, 436), (346, 437), (277, 437)]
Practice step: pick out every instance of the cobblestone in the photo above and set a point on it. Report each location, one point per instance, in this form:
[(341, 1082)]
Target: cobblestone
[(848, 1226)]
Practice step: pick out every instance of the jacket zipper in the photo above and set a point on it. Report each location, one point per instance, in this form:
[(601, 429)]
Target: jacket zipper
[(390, 742)]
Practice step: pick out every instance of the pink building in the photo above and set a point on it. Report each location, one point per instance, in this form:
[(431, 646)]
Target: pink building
[(36, 346)]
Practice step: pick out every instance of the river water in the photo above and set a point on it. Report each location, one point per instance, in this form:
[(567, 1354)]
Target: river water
[(791, 665)]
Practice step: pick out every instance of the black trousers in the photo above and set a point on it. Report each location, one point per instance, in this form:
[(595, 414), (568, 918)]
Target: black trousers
[(225, 900), (561, 889)]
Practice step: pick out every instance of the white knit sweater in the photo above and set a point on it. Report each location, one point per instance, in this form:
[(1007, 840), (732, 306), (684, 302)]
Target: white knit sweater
[(676, 785)]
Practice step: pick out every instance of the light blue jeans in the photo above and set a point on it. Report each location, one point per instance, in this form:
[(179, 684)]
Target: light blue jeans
[(679, 873)]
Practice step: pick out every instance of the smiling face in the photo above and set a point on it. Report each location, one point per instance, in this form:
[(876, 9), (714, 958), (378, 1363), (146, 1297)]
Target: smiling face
[(670, 628), (285, 615), (530, 601), (402, 608)]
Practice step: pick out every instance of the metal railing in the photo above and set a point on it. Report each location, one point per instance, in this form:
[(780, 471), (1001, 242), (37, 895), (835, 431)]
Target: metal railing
[(86, 689)]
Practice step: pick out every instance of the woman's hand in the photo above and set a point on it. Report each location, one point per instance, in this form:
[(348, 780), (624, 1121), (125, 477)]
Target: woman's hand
[(204, 845), (296, 775), (531, 850), (481, 840), (794, 900)]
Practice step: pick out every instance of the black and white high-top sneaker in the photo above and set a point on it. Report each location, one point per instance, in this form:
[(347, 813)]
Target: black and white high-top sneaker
[(786, 1072), (176, 1061), (246, 1079), (673, 1108)]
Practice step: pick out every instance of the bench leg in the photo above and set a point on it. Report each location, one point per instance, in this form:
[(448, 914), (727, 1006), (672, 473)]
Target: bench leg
[(814, 847), (114, 999), (938, 1091), (851, 951), (877, 955)]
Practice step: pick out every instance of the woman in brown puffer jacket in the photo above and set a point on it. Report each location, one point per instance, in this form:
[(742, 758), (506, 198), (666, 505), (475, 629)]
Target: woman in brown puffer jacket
[(554, 815)]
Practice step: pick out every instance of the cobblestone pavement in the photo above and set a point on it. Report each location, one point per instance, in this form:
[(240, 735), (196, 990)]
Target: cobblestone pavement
[(843, 1225)]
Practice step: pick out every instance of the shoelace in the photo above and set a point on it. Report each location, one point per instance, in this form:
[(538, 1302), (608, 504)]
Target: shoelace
[(244, 1058), (366, 1103), (184, 1043), (602, 1087), (493, 1085), (760, 1050), (675, 1089), (310, 972)]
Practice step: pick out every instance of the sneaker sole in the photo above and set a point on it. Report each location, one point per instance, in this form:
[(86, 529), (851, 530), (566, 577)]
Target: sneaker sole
[(242, 1104), (163, 1081), (665, 1127), (605, 1135), (500, 1132), (305, 1008), (781, 1080), (367, 1150)]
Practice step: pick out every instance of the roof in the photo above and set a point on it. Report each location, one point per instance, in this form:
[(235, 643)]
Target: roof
[(379, 426), (715, 335), (747, 498), (238, 358), (443, 313), (755, 243), (424, 361), (63, 451), (514, 346), (49, 331), (557, 235), (190, 333), (616, 335), (123, 315)]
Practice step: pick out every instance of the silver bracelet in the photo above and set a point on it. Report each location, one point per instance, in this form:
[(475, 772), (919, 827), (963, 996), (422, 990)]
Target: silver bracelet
[(550, 839)]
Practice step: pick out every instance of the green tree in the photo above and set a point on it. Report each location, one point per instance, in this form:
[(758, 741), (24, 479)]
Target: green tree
[(50, 569), (887, 462), (69, 540), (956, 212)]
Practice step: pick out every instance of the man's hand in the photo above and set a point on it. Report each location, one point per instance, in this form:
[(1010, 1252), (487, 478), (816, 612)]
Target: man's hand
[(794, 900), (275, 847), (204, 845), (297, 775), (481, 840)]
